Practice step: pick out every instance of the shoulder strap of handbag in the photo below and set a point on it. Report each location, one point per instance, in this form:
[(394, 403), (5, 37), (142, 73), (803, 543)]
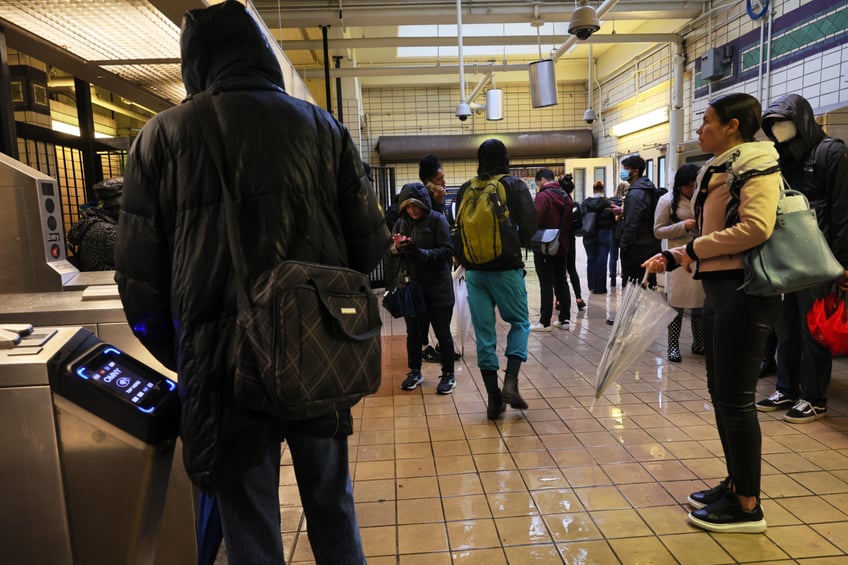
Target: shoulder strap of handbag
[(209, 126)]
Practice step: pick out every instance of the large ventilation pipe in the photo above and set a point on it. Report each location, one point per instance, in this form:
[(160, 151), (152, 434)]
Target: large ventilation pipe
[(562, 143)]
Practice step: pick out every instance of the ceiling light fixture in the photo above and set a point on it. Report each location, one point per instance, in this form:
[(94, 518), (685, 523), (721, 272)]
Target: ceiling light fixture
[(647, 120)]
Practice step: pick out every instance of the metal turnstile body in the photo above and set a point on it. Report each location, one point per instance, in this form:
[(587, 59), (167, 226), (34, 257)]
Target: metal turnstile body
[(83, 472)]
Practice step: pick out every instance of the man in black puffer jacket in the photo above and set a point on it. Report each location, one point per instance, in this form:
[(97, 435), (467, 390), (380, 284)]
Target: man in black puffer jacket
[(637, 237), (303, 195)]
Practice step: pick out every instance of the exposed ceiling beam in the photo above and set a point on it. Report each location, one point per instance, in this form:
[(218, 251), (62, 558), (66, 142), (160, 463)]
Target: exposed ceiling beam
[(474, 41)]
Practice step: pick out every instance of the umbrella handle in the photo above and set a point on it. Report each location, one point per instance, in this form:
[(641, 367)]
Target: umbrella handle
[(645, 279)]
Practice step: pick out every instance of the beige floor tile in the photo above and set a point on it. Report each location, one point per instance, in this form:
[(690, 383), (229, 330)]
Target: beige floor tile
[(576, 457), (472, 534), (588, 552), (541, 553), (533, 460), (801, 541), (418, 467), (747, 548), (413, 450), (464, 484), (829, 460), (454, 464), (375, 452), (451, 448), (419, 510), (381, 540), (381, 513), (417, 487), (641, 550), (494, 462), (422, 538), (696, 549), (502, 481), (791, 462), (522, 530), (611, 454), (543, 478), (601, 498), (777, 486), (668, 470), (646, 494), (505, 504), (466, 507), (493, 556), (834, 532), (626, 473), (812, 509), (592, 475), (686, 449), (645, 452), (620, 523), (441, 558), (487, 445), (572, 526), (821, 482), (664, 520)]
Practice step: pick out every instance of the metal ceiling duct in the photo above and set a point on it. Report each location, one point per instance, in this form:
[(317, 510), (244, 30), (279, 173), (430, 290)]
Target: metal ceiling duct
[(410, 148), (543, 88)]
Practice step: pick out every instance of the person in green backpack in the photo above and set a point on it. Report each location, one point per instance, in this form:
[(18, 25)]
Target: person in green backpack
[(495, 219)]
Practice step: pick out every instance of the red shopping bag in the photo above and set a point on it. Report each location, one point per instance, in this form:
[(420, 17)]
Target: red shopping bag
[(828, 322)]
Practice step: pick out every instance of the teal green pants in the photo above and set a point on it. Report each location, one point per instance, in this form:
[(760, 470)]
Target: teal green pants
[(506, 290)]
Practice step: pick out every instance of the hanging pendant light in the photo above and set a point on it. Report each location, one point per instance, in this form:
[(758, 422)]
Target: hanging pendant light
[(543, 88)]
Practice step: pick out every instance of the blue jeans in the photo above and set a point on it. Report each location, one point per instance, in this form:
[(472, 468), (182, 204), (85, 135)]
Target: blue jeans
[(804, 365), (506, 290), (250, 505), (597, 257)]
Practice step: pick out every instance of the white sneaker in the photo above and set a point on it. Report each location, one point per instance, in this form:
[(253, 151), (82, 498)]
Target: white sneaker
[(538, 327), (562, 325)]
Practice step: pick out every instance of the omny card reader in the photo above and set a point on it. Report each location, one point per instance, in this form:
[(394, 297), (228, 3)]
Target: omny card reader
[(105, 381), (87, 437)]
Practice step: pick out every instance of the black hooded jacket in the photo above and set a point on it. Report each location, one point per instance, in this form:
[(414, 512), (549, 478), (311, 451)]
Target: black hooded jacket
[(428, 259), (821, 173), (303, 194)]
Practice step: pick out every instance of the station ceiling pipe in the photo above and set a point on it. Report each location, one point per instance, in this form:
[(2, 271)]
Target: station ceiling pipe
[(463, 111)]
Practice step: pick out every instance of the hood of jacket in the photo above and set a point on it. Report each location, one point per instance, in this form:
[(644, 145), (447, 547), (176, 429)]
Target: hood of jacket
[(796, 109), (224, 42), (414, 193)]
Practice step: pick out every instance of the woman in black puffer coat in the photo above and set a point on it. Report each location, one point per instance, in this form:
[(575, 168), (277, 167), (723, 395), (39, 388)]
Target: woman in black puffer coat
[(422, 240)]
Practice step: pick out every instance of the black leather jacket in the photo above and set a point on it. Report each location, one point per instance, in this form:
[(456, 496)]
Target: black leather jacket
[(304, 195)]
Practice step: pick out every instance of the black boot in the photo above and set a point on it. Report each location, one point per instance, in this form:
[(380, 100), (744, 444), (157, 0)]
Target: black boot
[(697, 335), (510, 392), (674, 339), (496, 404)]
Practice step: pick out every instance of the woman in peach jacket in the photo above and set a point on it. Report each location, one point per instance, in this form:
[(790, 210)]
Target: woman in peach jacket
[(735, 207)]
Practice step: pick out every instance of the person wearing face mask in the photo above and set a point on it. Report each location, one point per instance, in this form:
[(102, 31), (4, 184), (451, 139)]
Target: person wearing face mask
[(637, 236), (675, 222), (816, 165)]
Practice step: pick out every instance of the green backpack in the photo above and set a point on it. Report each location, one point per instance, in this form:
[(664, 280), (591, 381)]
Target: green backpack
[(484, 236)]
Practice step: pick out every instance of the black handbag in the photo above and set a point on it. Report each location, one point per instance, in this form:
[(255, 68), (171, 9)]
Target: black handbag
[(795, 257), (307, 335), (545, 242), (590, 225)]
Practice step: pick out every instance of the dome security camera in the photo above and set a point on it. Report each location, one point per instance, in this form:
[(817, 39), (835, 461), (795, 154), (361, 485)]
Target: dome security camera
[(463, 111), (589, 116), (584, 21)]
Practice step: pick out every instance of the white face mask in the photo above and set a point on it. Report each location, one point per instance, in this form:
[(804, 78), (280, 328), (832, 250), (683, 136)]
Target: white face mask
[(783, 131)]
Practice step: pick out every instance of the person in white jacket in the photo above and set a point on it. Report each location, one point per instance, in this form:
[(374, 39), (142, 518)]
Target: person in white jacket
[(675, 222)]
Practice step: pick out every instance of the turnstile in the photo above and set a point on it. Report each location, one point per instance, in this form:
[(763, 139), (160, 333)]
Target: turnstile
[(87, 437)]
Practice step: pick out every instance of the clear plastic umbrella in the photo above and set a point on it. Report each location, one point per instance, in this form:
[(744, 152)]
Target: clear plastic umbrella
[(461, 314), (642, 315)]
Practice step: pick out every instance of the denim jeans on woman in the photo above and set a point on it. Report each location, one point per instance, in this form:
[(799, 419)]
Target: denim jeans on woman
[(736, 326), (597, 256), (250, 505)]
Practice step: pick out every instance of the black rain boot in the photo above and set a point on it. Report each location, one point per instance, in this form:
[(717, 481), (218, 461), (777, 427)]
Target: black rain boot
[(496, 404), (510, 392), (674, 339), (697, 335)]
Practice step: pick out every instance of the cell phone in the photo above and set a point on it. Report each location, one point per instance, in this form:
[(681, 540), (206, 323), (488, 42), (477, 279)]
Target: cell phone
[(123, 377)]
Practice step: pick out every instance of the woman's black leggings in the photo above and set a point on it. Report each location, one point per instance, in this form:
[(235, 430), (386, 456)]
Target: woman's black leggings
[(736, 326)]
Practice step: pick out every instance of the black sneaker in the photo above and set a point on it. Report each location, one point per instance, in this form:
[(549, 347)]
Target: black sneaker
[(776, 401), (412, 380), (727, 516), (446, 384), (430, 355), (803, 412), (706, 497)]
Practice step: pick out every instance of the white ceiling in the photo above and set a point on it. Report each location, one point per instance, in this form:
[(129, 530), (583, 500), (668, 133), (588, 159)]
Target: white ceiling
[(131, 47)]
